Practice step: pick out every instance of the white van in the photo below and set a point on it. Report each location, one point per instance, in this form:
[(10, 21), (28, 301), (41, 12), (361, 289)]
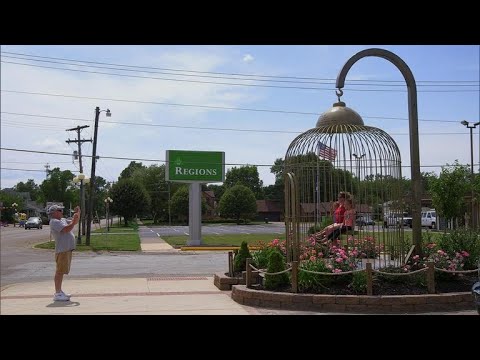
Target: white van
[(429, 218)]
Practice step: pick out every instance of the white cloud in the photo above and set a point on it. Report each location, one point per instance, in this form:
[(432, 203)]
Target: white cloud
[(248, 58)]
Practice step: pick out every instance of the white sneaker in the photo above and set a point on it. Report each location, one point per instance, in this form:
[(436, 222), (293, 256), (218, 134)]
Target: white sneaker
[(67, 295), (60, 297)]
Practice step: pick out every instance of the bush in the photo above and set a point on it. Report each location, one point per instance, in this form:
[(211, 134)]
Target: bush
[(239, 263), (260, 257), (308, 282), (461, 240), (276, 263), (359, 282)]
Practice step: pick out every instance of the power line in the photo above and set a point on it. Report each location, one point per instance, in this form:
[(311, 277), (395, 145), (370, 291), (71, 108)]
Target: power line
[(164, 161), (271, 79), (26, 124), (228, 83), (142, 68), (39, 170), (190, 105)]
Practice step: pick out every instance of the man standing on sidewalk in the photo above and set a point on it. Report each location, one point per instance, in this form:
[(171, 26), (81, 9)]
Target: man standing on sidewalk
[(62, 232)]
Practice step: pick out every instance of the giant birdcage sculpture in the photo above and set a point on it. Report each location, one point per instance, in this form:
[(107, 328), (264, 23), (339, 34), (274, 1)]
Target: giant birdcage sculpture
[(342, 154)]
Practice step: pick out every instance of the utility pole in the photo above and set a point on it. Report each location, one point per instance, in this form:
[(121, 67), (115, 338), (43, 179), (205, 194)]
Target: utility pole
[(47, 169), (92, 178), (81, 225)]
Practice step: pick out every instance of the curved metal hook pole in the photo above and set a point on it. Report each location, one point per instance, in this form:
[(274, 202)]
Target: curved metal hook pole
[(413, 128)]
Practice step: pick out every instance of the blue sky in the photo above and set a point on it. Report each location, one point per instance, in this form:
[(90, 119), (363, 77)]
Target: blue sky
[(143, 124)]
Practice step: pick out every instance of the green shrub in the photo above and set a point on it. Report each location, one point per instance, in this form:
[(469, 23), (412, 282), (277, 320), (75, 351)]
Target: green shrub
[(462, 240), (276, 263), (260, 257), (359, 282), (308, 282), (239, 263)]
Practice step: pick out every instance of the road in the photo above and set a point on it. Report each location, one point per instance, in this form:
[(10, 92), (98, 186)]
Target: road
[(21, 263), (222, 229)]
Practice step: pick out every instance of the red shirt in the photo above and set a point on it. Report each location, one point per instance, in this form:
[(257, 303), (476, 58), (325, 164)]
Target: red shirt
[(339, 214)]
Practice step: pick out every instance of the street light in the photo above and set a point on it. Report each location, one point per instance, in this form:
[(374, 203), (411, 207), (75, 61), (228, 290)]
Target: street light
[(108, 200), (14, 206), (471, 127), (358, 163)]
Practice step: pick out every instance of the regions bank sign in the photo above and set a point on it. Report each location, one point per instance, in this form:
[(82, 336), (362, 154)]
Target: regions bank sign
[(195, 166)]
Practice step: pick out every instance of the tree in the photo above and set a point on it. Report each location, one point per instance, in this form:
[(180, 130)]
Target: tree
[(278, 169), (449, 189), (309, 166), (218, 190), (130, 199), (153, 178), (30, 187), (58, 187), (7, 199), (238, 202), (179, 204), (247, 176), (130, 169)]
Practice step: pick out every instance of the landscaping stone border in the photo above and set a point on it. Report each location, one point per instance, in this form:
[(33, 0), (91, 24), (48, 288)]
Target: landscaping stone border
[(392, 304)]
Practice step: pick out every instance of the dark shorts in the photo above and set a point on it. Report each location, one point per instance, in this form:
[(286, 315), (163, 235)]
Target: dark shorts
[(63, 260), (335, 234)]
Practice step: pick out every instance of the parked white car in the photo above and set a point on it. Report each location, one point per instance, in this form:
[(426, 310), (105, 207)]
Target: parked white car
[(429, 218)]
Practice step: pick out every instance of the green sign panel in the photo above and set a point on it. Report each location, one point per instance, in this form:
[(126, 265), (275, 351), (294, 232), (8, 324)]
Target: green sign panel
[(191, 166)]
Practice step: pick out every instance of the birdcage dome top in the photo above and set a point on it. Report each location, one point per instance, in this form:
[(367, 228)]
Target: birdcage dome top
[(339, 114)]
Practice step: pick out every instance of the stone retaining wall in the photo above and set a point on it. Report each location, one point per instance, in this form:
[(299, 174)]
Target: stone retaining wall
[(354, 303)]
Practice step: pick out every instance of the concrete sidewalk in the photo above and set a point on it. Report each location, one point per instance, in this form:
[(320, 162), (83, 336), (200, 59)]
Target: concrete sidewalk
[(164, 295), (122, 296)]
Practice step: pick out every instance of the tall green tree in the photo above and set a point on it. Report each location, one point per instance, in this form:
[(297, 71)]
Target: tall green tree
[(153, 178), (247, 176), (277, 191), (130, 169), (130, 198), (449, 190), (238, 202), (30, 187), (57, 187), (179, 204), (278, 169)]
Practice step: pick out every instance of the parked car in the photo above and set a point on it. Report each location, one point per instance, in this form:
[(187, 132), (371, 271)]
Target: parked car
[(407, 221), (33, 222), (429, 218), (364, 220)]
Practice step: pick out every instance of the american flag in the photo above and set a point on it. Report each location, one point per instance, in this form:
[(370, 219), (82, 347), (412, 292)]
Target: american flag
[(326, 152)]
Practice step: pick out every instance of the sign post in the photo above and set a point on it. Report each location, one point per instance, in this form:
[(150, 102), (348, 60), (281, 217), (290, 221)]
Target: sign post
[(195, 168)]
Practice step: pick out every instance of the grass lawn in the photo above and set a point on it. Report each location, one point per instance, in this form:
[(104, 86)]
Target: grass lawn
[(109, 242), (224, 240), (117, 229)]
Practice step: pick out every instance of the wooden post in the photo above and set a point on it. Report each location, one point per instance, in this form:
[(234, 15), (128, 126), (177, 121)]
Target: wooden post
[(230, 263), (369, 278), (430, 277), (295, 276), (248, 280)]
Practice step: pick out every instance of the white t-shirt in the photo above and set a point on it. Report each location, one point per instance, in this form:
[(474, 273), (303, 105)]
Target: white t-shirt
[(63, 241)]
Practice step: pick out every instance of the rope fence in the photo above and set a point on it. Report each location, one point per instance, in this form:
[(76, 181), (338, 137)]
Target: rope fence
[(295, 269)]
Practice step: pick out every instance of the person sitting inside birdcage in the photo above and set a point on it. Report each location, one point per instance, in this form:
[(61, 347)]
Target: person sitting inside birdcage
[(333, 231)]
